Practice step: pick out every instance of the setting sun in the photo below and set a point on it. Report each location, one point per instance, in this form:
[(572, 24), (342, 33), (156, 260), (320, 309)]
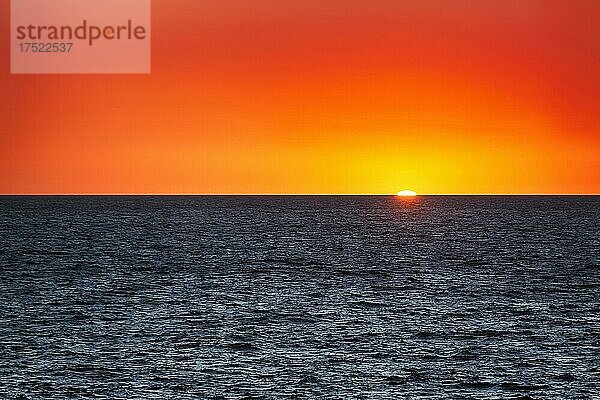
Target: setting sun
[(407, 193)]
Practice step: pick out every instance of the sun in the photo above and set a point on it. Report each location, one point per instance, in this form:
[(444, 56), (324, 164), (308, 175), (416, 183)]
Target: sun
[(407, 193)]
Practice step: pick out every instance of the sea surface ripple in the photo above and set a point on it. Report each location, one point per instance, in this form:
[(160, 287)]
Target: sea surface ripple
[(299, 297)]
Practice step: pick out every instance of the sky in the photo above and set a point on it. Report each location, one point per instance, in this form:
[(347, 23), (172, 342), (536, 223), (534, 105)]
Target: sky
[(322, 97)]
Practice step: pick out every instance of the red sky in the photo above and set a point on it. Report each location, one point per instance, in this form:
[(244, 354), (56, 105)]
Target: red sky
[(322, 96)]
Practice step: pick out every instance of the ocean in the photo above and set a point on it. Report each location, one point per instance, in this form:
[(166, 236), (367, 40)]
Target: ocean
[(299, 297)]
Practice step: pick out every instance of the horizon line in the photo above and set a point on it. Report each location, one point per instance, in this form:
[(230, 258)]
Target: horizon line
[(280, 194)]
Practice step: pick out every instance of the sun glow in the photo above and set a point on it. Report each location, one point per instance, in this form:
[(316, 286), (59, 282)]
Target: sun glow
[(407, 193)]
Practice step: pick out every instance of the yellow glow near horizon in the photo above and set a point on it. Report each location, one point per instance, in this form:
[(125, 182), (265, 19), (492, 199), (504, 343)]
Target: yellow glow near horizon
[(407, 193)]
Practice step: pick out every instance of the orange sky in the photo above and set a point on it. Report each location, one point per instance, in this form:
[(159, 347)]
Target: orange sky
[(322, 96)]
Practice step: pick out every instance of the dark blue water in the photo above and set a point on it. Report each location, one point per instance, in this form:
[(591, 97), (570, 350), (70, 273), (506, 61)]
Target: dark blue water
[(300, 297)]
